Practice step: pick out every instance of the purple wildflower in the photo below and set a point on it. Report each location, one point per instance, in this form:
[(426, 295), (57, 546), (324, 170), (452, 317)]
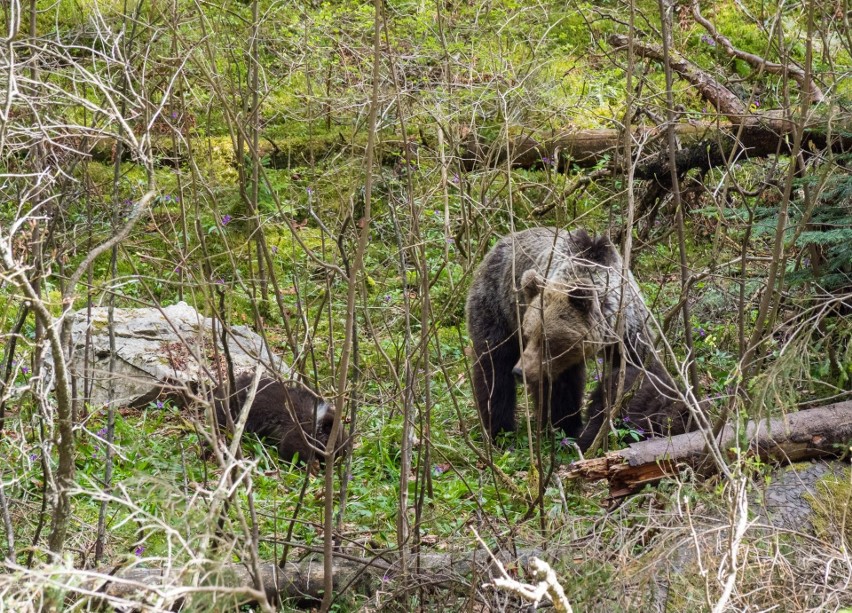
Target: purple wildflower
[(226, 219), (102, 432), (626, 419), (159, 404), (756, 102), (33, 457), (174, 114), (309, 190), (708, 41), (274, 249), (455, 178), (451, 240), (546, 160), (701, 332), (438, 470), (387, 298), (564, 442), (25, 370), (139, 551)]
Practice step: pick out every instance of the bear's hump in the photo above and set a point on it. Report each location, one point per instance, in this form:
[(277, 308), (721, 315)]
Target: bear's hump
[(558, 253)]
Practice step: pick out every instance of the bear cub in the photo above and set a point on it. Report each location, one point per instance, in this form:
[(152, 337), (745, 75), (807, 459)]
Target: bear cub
[(571, 291), (288, 414)]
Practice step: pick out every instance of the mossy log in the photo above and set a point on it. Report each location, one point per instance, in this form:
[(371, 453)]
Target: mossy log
[(820, 432), (705, 146), (562, 149), (301, 581)]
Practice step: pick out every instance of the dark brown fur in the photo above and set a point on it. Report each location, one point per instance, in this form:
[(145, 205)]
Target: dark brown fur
[(282, 413), (653, 405)]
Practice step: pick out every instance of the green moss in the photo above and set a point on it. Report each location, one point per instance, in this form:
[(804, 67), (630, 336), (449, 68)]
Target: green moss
[(832, 507)]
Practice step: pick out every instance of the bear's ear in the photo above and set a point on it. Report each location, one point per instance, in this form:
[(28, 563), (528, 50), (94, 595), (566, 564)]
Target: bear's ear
[(325, 415), (600, 250), (532, 283)]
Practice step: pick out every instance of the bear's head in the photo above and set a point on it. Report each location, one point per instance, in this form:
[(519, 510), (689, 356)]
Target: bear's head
[(287, 413), (562, 326), (295, 430), (568, 316)]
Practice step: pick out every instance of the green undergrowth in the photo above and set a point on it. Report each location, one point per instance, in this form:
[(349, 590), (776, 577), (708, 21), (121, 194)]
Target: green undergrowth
[(523, 70), (830, 503), (158, 452)]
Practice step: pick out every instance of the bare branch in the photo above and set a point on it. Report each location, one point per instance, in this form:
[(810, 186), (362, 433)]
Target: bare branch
[(725, 101), (807, 84)]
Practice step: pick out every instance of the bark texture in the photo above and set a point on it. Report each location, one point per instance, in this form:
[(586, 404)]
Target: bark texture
[(820, 432)]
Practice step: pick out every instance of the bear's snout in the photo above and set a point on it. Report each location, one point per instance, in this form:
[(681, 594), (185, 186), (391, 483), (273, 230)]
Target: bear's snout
[(526, 371)]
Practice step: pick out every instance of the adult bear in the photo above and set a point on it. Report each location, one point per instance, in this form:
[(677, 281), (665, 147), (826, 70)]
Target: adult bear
[(288, 414), (571, 293)]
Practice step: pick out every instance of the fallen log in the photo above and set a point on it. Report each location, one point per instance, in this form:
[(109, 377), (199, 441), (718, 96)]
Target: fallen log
[(584, 148), (820, 432), (743, 133), (301, 581), (706, 145), (725, 101)]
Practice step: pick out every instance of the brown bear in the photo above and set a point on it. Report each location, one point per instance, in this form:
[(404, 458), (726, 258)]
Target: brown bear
[(652, 406), (288, 414), (571, 291)]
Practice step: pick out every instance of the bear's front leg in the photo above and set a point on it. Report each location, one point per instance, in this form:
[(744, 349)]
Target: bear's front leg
[(601, 400), (565, 400), (494, 386)]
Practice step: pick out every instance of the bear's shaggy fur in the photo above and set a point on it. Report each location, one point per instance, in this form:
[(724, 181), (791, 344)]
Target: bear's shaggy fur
[(288, 414), (571, 292), (653, 406)]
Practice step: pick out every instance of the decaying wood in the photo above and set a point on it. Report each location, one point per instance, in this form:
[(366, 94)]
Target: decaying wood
[(583, 148), (824, 431), (742, 134), (705, 145), (806, 83), (298, 580)]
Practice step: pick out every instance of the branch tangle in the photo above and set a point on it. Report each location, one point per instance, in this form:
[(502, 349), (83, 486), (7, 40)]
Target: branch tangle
[(757, 62)]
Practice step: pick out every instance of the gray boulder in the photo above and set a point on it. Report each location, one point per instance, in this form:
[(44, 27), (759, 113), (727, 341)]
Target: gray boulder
[(792, 500), (159, 353)]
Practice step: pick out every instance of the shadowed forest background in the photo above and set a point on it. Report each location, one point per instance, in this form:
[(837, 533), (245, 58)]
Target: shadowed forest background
[(330, 174)]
